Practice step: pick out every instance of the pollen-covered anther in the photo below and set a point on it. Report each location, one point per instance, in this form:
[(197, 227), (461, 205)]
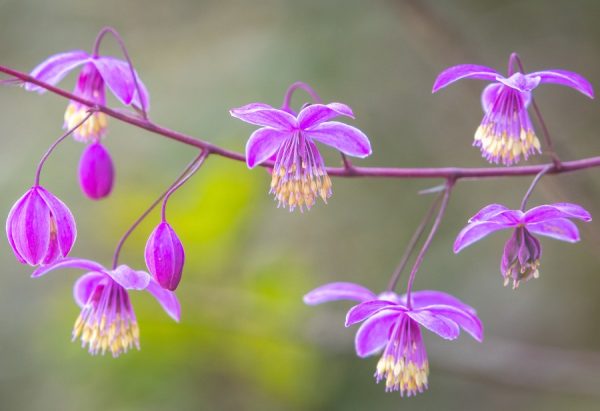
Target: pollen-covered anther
[(402, 375), (504, 148), (521, 272), (299, 187), (92, 130)]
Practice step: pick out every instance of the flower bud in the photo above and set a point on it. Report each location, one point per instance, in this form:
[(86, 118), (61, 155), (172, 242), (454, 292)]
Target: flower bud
[(96, 171), (165, 256), (40, 228)]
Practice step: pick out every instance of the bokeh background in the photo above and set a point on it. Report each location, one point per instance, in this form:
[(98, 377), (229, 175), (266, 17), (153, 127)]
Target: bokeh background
[(246, 341)]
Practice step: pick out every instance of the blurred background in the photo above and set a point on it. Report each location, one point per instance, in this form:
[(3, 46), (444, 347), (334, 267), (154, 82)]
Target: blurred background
[(246, 341)]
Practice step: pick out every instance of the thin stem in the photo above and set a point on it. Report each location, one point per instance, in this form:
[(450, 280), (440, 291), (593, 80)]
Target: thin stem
[(141, 218), (514, 58), (38, 171), (287, 99), (198, 163), (121, 42), (412, 244), (455, 173), (434, 228), (532, 186)]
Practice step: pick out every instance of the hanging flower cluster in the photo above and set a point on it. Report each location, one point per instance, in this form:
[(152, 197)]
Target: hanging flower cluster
[(41, 230)]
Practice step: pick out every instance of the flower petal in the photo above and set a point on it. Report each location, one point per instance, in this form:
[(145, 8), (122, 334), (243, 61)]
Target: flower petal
[(488, 212), (466, 320), (117, 75), (338, 291), (476, 231), (66, 229), (423, 298), (266, 116), (317, 113), (31, 228), (557, 210), (365, 310), (442, 326), (55, 68), (455, 73), (262, 144), (490, 94), (80, 263), (374, 333), (85, 285), (130, 279), (565, 78), (558, 228), (347, 139), (167, 299)]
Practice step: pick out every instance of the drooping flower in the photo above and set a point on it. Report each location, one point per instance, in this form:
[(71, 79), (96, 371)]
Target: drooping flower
[(96, 171), (40, 228), (165, 256), (107, 321), (97, 72), (522, 252), (299, 175), (393, 326), (506, 131)]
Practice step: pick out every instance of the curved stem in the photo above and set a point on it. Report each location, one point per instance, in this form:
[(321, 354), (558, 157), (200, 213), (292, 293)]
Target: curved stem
[(411, 245), (148, 211), (38, 171), (198, 163), (455, 173), (287, 99), (532, 186), (434, 228), (121, 42)]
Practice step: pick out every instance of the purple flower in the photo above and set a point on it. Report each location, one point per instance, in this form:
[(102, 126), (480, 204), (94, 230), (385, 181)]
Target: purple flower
[(40, 228), (107, 321), (96, 171), (165, 256), (299, 174), (522, 252), (506, 131), (97, 72), (390, 325)]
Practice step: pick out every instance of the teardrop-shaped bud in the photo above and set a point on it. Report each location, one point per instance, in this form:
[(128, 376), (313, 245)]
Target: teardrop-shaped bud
[(40, 228), (96, 171), (165, 256)]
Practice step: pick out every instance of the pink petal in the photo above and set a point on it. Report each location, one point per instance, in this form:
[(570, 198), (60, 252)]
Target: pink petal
[(557, 210), (374, 333), (442, 326), (80, 263), (468, 321), (130, 279), (338, 291), (117, 75), (474, 232), (265, 116), (565, 78), (66, 229), (423, 298), (167, 299), (317, 113), (559, 229), (488, 212), (347, 139), (55, 68), (365, 310), (455, 73), (263, 144), (85, 285)]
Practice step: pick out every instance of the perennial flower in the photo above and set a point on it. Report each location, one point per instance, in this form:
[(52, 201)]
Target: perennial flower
[(96, 171), (299, 175), (392, 325), (96, 73), (107, 321), (522, 252), (506, 131), (165, 256), (40, 228)]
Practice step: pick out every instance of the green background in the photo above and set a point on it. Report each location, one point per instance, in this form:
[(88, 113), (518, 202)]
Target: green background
[(246, 341)]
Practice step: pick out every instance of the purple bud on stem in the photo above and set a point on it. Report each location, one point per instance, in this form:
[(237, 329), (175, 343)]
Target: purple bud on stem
[(96, 171), (165, 256)]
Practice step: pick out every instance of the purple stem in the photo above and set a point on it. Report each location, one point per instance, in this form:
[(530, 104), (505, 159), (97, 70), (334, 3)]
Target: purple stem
[(455, 173), (532, 186), (121, 43), (38, 171), (198, 163), (287, 99), (514, 58), (411, 245), (434, 228), (149, 210)]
